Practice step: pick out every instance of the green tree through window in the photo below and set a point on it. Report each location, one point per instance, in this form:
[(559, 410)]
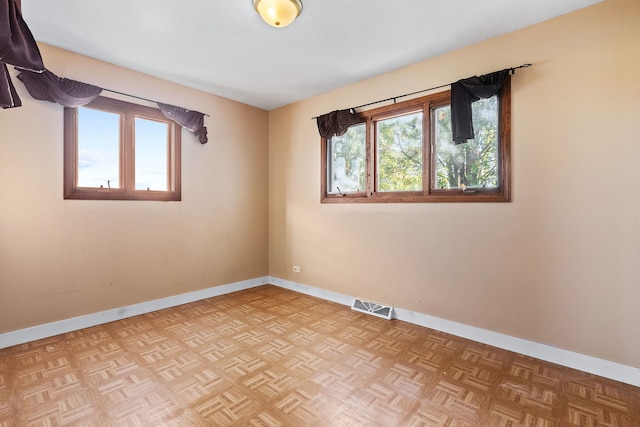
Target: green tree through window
[(404, 153), (470, 165), (348, 161), (400, 153)]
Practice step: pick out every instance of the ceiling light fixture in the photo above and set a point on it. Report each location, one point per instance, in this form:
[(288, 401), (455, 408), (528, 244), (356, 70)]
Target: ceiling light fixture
[(278, 13)]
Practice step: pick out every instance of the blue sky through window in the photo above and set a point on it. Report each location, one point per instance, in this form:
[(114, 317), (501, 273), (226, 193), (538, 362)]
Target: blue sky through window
[(99, 151), (151, 155), (98, 148)]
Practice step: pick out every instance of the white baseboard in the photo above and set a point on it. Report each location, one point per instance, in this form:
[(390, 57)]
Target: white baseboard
[(47, 330), (581, 362), (312, 291), (604, 368)]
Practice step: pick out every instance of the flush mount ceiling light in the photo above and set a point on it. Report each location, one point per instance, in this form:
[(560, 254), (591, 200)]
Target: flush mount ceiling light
[(278, 13)]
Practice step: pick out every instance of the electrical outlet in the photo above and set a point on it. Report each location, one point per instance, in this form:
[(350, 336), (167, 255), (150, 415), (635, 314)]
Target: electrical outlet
[(296, 269)]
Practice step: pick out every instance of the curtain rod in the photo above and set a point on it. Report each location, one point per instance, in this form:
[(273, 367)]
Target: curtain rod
[(139, 97), (512, 70)]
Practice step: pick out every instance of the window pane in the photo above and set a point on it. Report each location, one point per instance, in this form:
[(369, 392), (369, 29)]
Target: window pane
[(400, 153), (98, 148), (470, 165), (347, 161), (151, 153)]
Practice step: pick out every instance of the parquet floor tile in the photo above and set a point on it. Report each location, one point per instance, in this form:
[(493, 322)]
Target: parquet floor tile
[(272, 357)]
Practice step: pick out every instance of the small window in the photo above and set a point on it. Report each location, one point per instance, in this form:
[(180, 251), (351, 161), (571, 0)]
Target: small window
[(115, 150), (404, 153)]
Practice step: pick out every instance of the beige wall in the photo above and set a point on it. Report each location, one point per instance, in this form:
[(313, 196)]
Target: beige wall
[(558, 265), (64, 258)]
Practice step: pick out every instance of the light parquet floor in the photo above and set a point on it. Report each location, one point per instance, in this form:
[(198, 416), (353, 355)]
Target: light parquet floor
[(271, 357)]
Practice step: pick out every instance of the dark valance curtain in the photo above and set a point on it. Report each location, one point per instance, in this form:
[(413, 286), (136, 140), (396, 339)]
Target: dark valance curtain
[(47, 86), (466, 91), (17, 48), (336, 122), (190, 120)]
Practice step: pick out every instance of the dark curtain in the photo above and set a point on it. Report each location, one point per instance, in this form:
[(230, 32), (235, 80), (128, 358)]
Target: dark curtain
[(190, 120), (47, 86), (17, 48), (8, 96), (336, 123), (466, 91)]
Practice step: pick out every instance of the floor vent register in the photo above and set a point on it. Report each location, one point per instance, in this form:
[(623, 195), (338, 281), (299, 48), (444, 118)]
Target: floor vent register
[(375, 309)]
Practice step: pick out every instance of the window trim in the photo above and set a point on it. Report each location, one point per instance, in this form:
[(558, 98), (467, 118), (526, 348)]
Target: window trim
[(428, 194), (128, 113)]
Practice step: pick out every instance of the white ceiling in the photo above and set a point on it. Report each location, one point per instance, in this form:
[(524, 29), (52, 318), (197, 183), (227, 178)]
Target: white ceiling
[(223, 47)]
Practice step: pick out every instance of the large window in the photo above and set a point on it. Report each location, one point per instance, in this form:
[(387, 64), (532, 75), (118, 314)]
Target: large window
[(115, 150), (404, 153)]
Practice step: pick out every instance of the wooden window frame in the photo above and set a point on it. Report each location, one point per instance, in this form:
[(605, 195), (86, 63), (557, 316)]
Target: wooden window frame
[(128, 113), (428, 194)]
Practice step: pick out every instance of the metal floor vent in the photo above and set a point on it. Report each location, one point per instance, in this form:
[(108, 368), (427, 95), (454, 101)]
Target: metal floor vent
[(384, 311)]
